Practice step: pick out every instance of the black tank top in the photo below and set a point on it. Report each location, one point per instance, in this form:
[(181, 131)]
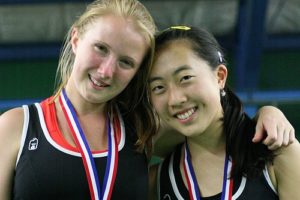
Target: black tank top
[(45, 170), (171, 185)]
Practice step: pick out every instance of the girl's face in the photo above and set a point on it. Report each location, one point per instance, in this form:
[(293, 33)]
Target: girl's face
[(185, 91), (107, 56)]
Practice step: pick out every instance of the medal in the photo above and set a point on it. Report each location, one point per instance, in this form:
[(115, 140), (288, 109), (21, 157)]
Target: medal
[(87, 157), (192, 183)]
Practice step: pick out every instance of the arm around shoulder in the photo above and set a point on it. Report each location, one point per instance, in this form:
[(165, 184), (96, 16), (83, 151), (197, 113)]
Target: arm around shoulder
[(11, 125), (287, 171)]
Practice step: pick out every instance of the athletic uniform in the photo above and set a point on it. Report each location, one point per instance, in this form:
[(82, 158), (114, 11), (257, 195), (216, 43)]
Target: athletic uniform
[(171, 185), (49, 168)]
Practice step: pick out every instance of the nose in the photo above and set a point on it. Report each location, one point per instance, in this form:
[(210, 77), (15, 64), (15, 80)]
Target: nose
[(107, 67), (176, 96)]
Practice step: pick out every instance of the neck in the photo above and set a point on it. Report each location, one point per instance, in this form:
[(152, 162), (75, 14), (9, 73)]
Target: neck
[(207, 157), (92, 119), (211, 141), (82, 106)]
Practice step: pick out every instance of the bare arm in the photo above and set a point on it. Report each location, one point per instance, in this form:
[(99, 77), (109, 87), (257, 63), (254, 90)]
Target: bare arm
[(273, 129), (286, 169), (11, 124)]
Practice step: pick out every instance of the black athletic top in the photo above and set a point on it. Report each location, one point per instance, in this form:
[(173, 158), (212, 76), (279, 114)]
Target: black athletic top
[(46, 170), (171, 185)]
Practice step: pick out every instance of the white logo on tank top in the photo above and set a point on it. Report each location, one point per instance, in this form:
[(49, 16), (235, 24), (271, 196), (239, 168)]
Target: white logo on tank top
[(33, 144)]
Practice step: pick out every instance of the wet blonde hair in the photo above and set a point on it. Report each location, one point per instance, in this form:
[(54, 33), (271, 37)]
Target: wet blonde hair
[(133, 99), (126, 8)]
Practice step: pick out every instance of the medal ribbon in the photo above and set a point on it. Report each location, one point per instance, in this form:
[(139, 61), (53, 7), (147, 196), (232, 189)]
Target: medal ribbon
[(192, 183), (87, 157)]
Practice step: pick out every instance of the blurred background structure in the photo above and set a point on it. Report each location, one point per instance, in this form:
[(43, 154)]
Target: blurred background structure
[(261, 39)]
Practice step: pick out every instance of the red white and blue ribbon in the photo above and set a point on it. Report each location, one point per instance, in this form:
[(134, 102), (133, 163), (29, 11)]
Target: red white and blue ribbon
[(87, 157), (191, 179)]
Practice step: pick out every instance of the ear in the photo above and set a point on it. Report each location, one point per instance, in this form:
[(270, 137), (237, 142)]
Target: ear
[(222, 75), (74, 40)]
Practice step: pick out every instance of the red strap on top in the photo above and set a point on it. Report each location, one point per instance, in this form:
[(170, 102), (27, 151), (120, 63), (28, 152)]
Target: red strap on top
[(49, 112)]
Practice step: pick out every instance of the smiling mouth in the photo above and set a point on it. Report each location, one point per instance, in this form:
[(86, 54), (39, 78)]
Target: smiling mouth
[(97, 83), (186, 115)]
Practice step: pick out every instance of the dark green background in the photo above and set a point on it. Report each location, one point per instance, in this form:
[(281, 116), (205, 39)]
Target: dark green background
[(35, 79)]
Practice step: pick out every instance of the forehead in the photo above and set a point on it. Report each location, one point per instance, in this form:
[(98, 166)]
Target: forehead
[(114, 25), (174, 53), (177, 57), (118, 32)]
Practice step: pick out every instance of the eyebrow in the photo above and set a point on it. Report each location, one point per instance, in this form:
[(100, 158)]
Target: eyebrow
[(177, 71)]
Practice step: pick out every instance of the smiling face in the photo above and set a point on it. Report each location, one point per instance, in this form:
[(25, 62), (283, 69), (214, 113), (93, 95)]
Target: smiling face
[(107, 56), (185, 91)]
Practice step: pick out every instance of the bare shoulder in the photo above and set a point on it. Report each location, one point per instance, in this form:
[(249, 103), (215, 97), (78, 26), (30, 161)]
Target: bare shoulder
[(286, 168), (288, 152), (11, 125), (287, 157)]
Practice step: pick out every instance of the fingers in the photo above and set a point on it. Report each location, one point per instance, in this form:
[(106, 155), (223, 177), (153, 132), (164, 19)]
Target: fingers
[(288, 137), (274, 142), (266, 131), (265, 127), (284, 137), (259, 134), (292, 137), (273, 128)]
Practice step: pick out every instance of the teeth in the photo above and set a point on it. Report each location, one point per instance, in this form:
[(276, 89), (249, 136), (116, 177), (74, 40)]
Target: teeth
[(186, 114), (95, 82)]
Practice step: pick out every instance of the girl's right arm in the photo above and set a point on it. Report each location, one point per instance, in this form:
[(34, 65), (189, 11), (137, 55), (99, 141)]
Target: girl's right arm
[(11, 125)]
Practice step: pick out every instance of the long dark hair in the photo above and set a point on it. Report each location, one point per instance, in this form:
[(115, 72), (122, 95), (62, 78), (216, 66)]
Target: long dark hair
[(249, 158)]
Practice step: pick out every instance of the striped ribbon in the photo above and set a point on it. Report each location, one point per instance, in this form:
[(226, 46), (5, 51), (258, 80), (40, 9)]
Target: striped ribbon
[(192, 183), (87, 157)]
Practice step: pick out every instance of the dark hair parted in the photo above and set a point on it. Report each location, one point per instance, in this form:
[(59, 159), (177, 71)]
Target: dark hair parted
[(249, 159), (203, 43)]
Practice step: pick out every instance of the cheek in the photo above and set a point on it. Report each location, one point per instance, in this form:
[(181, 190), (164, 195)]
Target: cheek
[(124, 78), (207, 90), (158, 104)]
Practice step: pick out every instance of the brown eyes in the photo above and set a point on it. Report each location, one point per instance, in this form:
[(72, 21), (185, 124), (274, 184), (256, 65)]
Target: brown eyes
[(186, 78)]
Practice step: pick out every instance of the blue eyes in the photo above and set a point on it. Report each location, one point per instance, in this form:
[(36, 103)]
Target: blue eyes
[(102, 49), (126, 63)]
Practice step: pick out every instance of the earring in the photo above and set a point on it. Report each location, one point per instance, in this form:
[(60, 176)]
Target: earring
[(223, 93)]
